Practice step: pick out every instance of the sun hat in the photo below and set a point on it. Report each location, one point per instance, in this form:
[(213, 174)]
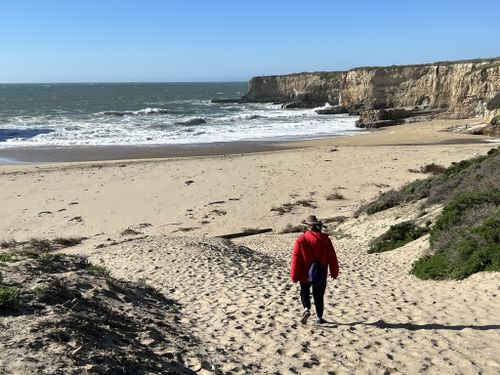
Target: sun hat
[(313, 220)]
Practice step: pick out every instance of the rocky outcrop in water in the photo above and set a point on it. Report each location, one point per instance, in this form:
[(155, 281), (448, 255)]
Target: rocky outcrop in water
[(459, 89)]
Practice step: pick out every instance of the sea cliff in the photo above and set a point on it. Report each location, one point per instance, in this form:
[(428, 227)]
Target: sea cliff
[(385, 95), (306, 88)]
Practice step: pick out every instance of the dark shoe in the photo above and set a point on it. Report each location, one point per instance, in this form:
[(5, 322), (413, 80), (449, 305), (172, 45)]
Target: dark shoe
[(305, 315), (320, 321)]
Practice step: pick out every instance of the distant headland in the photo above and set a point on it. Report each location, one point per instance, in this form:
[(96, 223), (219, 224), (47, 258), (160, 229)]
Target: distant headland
[(390, 95)]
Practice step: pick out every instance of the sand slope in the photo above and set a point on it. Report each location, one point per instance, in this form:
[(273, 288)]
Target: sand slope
[(238, 299)]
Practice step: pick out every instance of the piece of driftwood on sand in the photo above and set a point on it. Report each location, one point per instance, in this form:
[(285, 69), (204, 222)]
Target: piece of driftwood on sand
[(248, 232)]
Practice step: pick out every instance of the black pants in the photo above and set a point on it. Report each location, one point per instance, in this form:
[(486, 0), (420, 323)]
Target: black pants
[(318, 293)]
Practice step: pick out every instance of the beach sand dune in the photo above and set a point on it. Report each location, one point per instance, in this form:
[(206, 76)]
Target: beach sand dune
[(238, 300)]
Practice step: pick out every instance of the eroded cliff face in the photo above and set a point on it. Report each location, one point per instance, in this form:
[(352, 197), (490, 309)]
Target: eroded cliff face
[(318, 87), (456, 89), (459, 89)]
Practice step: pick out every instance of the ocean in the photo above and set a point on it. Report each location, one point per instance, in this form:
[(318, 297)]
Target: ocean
[(141, 114)]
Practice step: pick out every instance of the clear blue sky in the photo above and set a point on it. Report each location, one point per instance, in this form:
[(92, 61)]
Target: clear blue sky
[(211, 40)]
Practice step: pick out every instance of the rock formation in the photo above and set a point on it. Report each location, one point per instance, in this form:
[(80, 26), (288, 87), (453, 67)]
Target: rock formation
[(459, 89), (309, 89)]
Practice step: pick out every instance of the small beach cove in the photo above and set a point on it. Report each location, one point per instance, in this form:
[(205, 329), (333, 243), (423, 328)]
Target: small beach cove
[(236, 297)]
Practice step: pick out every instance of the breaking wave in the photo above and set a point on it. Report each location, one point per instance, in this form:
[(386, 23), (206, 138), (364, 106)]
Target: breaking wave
[(155, 115), (191, 121), (145, 111)]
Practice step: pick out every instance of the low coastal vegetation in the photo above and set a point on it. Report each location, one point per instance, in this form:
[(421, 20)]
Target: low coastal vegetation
[(289, 207), (335, 196), (397, 236), (69, 305), (465, 238), (467, 175), (431, 168), (35, 248), (130, 232), (9, 298), (290, 228), (486, 64)]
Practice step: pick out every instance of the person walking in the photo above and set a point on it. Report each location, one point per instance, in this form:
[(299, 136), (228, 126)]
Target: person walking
[(312, 256)]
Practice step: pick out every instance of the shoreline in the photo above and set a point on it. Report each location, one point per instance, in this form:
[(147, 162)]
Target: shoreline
[(412, 134), (71, 154)]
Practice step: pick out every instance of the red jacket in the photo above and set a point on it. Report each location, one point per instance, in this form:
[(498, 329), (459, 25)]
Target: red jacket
[(309, 247)]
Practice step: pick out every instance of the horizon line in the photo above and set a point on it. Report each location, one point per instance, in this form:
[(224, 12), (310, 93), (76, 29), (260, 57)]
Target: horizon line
[(112, 82)]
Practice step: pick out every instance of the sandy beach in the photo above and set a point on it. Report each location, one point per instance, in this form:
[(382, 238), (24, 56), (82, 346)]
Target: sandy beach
[(236, 296)]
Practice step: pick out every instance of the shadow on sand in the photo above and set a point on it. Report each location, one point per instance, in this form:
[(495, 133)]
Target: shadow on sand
[(415, 327)]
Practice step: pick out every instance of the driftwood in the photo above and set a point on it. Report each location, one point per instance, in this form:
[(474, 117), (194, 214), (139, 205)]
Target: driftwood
[(248, 232)]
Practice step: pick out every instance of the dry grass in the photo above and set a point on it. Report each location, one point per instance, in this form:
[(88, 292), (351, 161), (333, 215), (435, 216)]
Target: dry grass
[(48, 305), (7, 244), (335, 219), (432, 168), (130, 232), (284, 208), (290, 228), (306, 203), (338, 234), (289, 207), (68, 241), (335, 196), (36, 247)]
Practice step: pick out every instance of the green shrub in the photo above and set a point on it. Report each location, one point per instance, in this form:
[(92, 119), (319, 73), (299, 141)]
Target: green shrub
[(478, 249), (97, 270), (68, 241), (397, 236), (40, 245), (418, 189), (460, 210), (456, 168), (9, 298), (7, 257), (386, 200), (465, 238)]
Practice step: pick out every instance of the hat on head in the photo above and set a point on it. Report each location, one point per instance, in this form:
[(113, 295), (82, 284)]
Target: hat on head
[(313, 220)]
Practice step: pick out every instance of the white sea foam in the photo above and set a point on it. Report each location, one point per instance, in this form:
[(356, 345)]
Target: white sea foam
[(144, 111), (159, 125)]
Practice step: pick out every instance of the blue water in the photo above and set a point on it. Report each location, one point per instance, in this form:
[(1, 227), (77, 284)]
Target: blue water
[(149, 114)]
